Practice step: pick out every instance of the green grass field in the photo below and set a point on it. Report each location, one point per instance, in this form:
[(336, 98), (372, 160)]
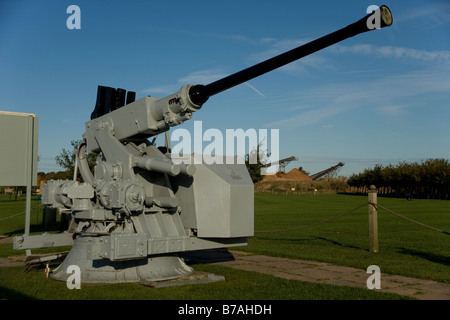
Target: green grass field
[(405, 249)]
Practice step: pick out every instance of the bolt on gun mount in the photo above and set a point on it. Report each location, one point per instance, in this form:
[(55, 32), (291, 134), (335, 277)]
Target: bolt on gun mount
[(139, 210)]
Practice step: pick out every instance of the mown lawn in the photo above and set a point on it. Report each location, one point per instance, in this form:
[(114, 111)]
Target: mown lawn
[(405, 249)]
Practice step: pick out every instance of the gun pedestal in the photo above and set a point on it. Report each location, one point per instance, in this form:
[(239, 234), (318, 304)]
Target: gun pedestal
[(147, 269)]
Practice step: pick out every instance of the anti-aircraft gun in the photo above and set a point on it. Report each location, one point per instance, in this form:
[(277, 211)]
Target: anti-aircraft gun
[(140, 209)]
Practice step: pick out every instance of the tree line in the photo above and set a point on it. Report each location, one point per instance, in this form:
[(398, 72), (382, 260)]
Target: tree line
[(66, 160), (429, 179)]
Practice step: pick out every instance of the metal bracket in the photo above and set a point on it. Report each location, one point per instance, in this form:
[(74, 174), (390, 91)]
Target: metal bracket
[(45, 240), (124, 246)]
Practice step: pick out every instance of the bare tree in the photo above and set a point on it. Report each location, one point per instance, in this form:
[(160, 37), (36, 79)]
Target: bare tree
[(66, 160)]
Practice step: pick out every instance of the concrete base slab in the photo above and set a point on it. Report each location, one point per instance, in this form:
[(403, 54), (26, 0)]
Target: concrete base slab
[(197, 277), (326, 273)]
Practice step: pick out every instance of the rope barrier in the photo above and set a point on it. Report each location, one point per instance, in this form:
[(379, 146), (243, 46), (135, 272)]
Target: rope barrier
[(18, 214), (376, 205), (316, 223), (351, 210), (406, 218)]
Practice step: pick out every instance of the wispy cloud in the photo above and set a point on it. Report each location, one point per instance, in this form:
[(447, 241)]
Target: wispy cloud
[(282, 45), (441, 57), (312, 63), (203, 76), (390, 95), (310, 117), (160, 89), (254, 89), (393, 110), (232, 37), (198, 77), (429, 14)]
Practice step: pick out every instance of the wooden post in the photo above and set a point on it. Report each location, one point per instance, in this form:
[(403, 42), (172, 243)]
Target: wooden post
[(373, 219)]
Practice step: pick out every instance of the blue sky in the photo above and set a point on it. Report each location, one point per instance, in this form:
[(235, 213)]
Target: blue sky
[(378, 98)]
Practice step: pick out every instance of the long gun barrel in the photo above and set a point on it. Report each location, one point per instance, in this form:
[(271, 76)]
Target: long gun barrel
[(151, 116), (199, 94)]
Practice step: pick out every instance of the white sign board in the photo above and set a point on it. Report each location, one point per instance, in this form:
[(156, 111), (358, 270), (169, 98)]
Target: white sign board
[(18, 148)]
